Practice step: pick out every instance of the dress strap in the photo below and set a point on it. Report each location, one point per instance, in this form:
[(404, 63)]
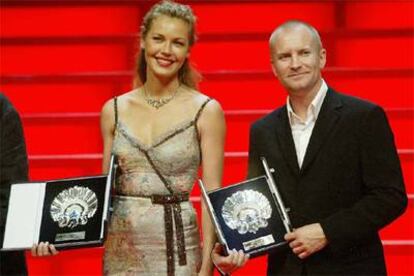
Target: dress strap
[(115, 157), (195, 124), (116, 110), (201, 110)]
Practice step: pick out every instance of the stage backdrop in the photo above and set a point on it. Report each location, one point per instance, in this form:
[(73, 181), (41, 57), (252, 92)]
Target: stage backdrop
[(61, 60)]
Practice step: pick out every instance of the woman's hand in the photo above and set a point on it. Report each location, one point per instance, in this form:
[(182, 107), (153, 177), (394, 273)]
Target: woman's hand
[(230, 263), (44, 249)]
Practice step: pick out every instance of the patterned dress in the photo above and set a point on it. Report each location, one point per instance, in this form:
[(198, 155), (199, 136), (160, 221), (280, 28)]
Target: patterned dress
[(153, 228)]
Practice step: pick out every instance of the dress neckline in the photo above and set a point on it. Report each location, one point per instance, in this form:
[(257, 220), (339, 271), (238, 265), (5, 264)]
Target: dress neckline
[(160, 139)]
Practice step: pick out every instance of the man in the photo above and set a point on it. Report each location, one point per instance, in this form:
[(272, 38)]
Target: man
[(13, 168), (336, 165)]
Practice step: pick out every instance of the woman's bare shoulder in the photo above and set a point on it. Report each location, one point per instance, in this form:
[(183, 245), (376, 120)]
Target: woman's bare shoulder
[(211, 107), (199, 98), (127, 97), (122, 102)]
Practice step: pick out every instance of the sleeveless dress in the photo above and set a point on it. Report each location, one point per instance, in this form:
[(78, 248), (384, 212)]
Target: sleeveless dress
[(153, 228)]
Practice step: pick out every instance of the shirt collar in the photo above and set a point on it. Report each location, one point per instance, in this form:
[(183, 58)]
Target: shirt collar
[(314, 107)]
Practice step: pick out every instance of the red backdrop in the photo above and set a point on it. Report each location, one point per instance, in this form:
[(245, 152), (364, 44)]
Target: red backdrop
[(61, 60)]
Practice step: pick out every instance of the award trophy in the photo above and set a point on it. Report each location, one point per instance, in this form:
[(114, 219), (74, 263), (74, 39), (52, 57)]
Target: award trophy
[(249, 215), (69, 212)]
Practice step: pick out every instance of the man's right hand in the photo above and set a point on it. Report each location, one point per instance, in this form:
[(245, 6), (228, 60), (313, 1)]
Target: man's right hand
[(44, 249)]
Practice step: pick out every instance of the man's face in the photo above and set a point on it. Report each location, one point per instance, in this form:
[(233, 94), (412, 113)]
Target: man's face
[(297, 60)]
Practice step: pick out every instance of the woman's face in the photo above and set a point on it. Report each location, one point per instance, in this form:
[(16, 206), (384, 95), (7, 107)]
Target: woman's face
[(166, 46)]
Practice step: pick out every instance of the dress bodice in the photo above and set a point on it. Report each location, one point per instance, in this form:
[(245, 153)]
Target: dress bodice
[(175, 154)]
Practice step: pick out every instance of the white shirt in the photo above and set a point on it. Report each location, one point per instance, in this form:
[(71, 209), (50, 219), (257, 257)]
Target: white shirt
[(302, 130)]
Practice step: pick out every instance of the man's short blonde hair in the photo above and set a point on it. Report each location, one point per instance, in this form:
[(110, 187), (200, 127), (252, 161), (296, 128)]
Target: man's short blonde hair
[(292, 24)]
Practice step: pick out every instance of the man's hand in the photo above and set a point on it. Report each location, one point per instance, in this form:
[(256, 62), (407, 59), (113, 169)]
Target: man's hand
[(230, 263), (307, 240)]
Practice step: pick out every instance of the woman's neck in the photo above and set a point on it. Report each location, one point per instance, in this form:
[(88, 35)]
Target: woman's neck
[(156, 88)]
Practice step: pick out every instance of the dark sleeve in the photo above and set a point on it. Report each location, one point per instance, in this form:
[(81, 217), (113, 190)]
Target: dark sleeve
[(254, 164), (384, 196), (13, 156)]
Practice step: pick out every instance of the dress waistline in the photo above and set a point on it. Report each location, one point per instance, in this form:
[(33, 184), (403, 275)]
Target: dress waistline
[(170, 199), (172, 215), (159, 199)]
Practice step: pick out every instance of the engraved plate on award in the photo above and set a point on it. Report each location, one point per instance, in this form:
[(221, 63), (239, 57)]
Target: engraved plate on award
[(249, 215), (68, 213)]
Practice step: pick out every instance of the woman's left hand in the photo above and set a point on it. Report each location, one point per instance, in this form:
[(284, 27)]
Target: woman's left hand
[(230, 263)]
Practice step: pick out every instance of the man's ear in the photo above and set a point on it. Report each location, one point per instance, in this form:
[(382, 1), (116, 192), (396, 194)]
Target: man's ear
[(142, 45), (322, 58), (273, 68)]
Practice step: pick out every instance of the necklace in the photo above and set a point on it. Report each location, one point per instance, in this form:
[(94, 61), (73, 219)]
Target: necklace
[(157, 103)]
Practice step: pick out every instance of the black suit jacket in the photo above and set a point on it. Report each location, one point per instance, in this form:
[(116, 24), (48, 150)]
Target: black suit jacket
[(350, 182)]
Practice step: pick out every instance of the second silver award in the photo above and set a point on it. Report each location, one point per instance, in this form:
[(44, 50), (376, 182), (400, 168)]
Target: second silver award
[(249, 215)]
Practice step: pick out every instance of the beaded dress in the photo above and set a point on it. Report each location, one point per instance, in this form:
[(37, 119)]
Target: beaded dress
[(153, 228)]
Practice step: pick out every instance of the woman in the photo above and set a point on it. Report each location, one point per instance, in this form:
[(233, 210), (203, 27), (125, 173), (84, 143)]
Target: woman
[(160, 133)]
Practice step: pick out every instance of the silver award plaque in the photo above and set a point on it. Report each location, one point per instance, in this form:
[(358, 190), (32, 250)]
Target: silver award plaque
[(249, 215), (74, 206), (246, 211)]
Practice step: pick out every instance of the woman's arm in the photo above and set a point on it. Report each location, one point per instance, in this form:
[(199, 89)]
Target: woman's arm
[(107, 131), (212, 131)]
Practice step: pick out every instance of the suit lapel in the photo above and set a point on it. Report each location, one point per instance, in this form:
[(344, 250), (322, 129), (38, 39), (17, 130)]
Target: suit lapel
[(285, 139), (328, 116)]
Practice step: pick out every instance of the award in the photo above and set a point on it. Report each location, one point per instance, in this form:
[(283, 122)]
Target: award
[(68, 213), (249, 215)]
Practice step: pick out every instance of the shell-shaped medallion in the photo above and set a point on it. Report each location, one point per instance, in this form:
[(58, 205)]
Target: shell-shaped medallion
[(246, 211), (74, 206)]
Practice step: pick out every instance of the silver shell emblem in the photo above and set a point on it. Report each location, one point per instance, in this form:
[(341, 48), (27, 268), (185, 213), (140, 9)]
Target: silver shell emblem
[(74, 206), (246, 211)]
